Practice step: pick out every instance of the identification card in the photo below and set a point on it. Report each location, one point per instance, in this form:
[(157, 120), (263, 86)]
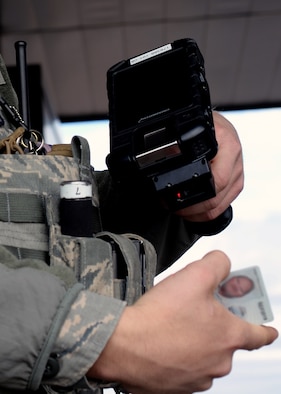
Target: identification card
[(243, 293)]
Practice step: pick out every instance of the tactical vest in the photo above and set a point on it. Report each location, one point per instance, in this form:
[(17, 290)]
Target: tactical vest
[(29, 224), (115, 265)]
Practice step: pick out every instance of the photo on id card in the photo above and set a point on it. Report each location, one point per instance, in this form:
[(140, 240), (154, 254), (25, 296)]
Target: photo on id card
[(243, 293)]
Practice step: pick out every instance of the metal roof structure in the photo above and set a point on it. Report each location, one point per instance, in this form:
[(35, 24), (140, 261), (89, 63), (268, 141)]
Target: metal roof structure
[(76, 41)]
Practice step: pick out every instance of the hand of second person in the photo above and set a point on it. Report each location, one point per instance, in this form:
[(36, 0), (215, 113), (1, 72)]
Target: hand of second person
[(227, 169)]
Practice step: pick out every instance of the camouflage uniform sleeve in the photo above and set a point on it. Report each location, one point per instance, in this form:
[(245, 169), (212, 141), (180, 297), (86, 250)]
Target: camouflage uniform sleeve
[(85, 332), (51, 329)]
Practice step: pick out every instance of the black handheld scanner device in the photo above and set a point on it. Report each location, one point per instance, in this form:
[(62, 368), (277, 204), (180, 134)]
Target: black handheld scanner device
[(161, 125)]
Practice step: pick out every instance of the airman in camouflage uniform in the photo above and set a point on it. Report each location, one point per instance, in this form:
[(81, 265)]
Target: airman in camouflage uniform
[(61, 296), (38, 263)]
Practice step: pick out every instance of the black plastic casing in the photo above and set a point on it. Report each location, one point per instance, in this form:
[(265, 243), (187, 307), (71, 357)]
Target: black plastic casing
[(161, 125)]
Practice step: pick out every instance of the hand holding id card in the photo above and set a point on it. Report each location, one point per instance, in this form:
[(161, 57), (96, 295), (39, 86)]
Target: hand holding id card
[(243, 293)]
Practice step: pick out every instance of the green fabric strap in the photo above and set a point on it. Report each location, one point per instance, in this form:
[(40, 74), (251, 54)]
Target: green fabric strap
[(21, 208)]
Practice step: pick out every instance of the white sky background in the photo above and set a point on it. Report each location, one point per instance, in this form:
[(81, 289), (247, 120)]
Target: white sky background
[(253, 238)]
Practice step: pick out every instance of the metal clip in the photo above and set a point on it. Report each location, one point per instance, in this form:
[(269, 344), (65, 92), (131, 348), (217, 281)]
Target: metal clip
[(33, 145)]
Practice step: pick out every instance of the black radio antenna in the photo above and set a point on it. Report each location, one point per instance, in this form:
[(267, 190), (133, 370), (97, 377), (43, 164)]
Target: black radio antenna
[(24, 108)]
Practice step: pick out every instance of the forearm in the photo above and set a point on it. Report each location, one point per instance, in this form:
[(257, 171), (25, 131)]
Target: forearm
[(119, 347), (46, 317), (83, 336)]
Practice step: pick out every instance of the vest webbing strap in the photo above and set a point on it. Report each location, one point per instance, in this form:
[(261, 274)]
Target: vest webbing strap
[(22, 253), (21, 208)]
